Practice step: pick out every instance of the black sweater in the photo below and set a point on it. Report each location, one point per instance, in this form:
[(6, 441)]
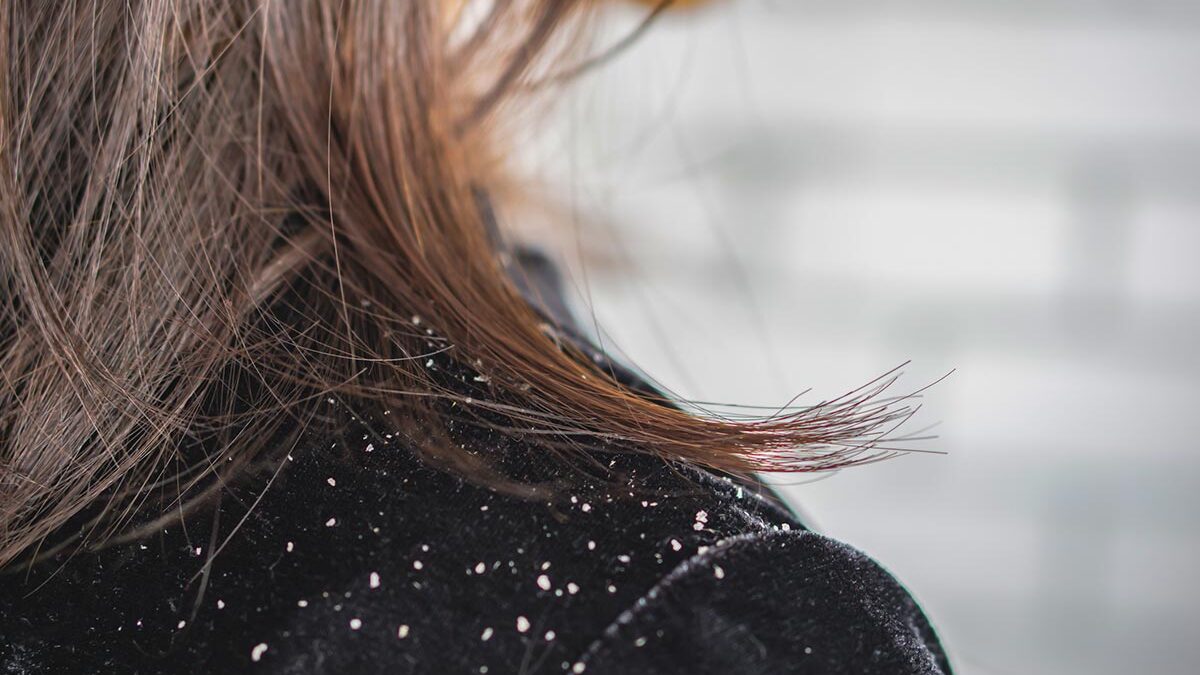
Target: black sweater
[(360, 559)]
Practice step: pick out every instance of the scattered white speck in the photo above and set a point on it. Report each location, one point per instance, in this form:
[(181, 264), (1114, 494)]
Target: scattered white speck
[(481, 378), (675, 545), (355, 624), (402, 631), (701, 519), (718, 572), (417, 564), (786, 527), (370, 447), (181, 624), (198, 550), (586, 507), (331, 481), (572, 588), (623, 558), (374, 580), (591, 545), (487, 634), (543, 582), (302, 603), (429, 363), (258, 651), (612, 589), (522, 624), (483, 508), (808, 650), (546, 565), (331, 522), (550, 636), (290, 547), (579, 667), (640, 642), (480, 567), (220, 604)]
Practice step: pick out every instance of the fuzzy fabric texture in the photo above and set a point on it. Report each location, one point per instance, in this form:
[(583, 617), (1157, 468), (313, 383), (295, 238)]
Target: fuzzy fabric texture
[(359, 558)]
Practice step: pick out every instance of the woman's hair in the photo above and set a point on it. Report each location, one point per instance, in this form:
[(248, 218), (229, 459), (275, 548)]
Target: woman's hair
[(216, 216)]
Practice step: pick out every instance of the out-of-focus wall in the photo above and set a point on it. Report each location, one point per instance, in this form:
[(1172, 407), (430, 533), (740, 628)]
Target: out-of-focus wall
[(794, 194)]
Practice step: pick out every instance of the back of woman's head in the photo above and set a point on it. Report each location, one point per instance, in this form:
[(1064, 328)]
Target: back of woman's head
[(218, 215)]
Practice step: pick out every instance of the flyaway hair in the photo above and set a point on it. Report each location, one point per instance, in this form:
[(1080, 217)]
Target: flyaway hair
[(216, 216)]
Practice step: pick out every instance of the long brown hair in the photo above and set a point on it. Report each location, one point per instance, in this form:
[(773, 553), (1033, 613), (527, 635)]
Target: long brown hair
[(216, 215)]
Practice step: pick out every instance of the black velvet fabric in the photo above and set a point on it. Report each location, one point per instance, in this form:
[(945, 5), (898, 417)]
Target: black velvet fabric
[(358, 558)]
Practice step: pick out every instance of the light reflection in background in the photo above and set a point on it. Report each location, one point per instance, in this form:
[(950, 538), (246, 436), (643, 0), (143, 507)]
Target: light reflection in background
[(797, 194)]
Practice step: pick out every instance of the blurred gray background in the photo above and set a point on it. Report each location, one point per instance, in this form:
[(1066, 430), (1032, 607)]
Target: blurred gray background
[(764, 197)]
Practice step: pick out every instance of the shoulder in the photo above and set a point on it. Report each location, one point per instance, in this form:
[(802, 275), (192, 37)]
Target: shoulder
[(356, 557), (781, 601)]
